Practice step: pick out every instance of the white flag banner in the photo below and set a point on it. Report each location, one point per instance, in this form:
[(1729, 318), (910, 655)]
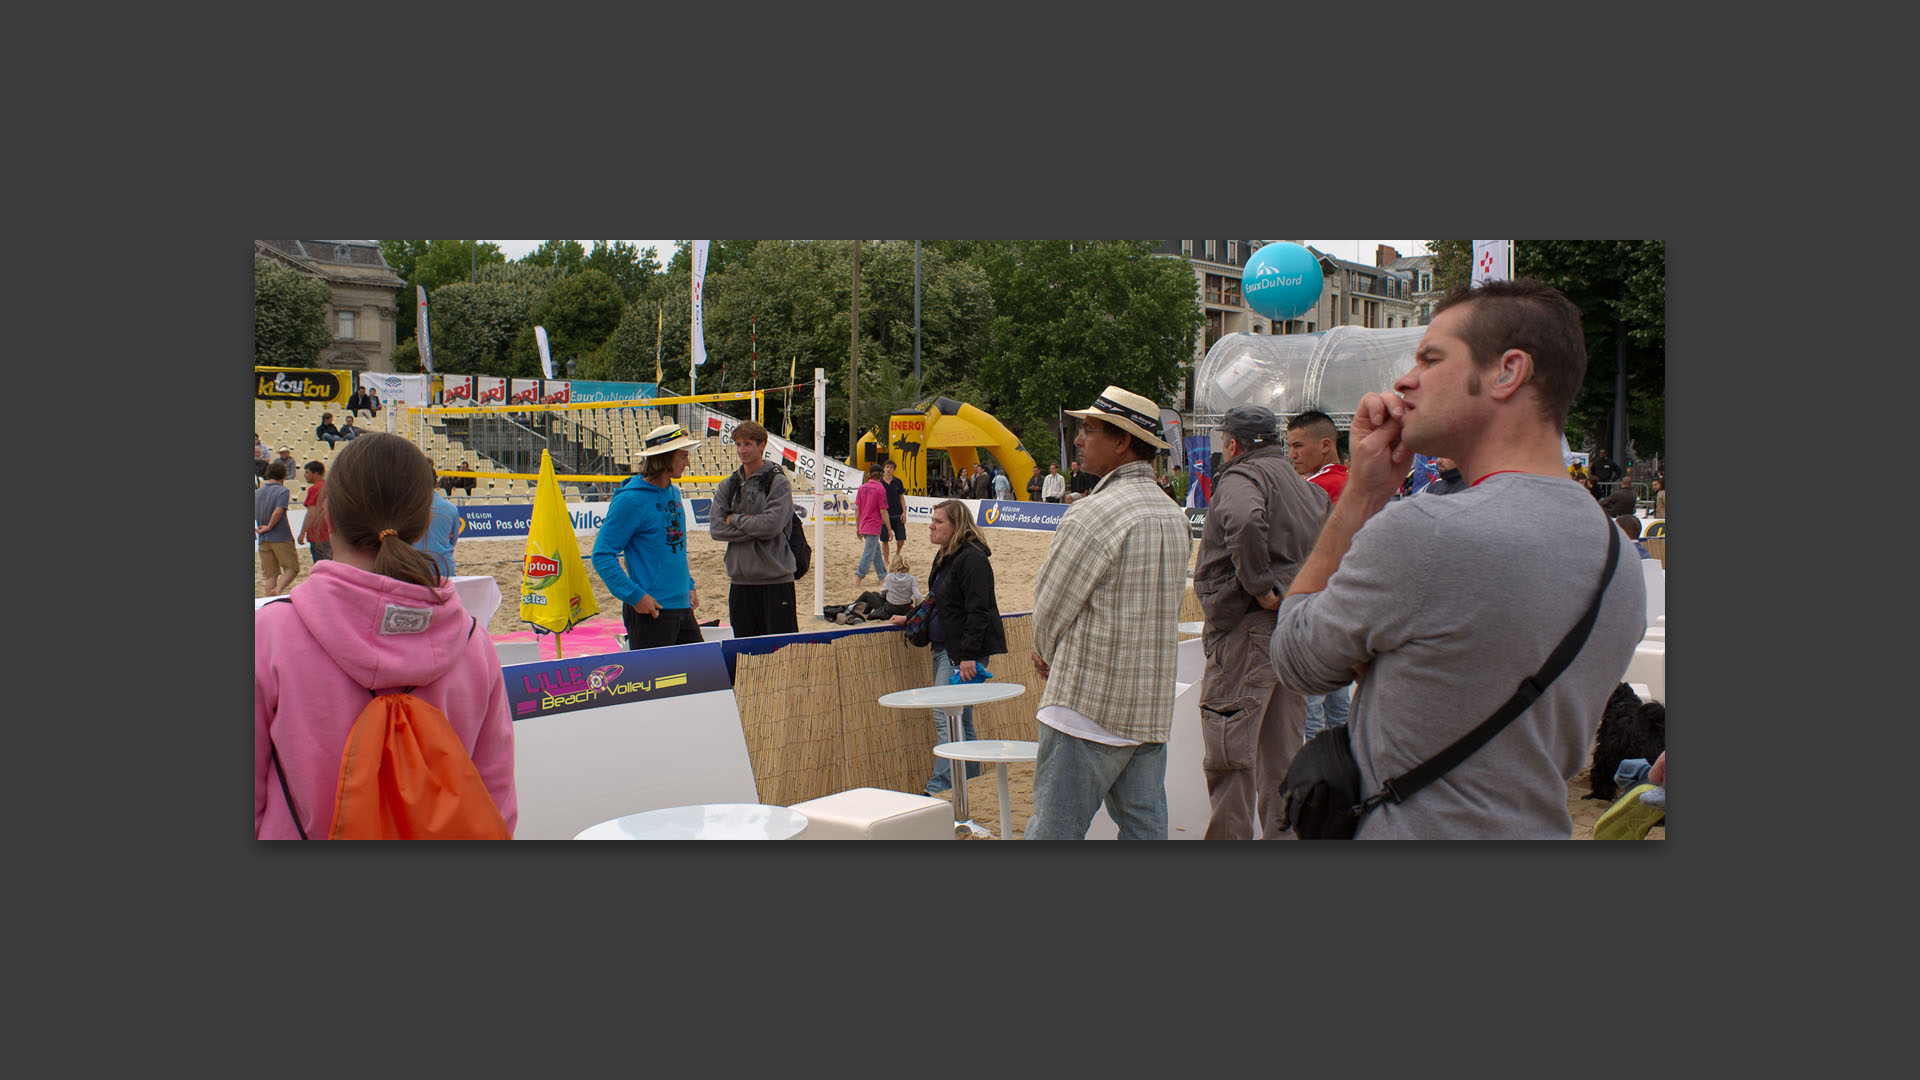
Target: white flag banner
[(699, 281), (1490, 261), (420, 332), (546, 359), (399, 389)]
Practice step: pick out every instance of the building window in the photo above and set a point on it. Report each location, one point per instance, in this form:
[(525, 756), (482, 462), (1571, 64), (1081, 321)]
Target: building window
[(346, 325), (1233, 252), (1186, 248), (1211, 257)]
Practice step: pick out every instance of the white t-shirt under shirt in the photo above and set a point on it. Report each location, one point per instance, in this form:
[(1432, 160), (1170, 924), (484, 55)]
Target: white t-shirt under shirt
[(1069, 722)]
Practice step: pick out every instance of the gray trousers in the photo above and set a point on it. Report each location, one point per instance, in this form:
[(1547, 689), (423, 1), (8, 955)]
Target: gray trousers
[(1250, 727)]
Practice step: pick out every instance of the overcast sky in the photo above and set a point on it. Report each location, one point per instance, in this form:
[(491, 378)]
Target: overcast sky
[(1360, 251)]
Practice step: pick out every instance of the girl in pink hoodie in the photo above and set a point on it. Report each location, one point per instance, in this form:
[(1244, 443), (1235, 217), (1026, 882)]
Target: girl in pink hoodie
[(375, 617)]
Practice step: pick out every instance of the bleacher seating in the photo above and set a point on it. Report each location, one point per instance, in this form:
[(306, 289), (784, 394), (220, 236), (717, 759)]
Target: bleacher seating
[(292, 425)]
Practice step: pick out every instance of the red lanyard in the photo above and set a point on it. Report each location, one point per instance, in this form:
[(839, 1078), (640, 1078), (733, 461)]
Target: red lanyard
[(1495, 472)]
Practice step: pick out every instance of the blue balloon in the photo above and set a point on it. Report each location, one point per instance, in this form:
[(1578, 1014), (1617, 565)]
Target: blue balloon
[(1282, 281)]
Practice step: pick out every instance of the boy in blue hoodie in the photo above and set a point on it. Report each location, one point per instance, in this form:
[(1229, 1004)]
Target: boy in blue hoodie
[(646, 525)]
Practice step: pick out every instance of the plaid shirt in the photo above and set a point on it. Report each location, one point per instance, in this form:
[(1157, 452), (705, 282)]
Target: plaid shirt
[(1106, 606)]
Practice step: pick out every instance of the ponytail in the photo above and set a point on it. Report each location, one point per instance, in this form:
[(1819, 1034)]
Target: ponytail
[(380, 499)]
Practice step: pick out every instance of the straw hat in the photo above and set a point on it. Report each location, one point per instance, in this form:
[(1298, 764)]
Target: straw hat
[(1127, 411), (665, 439)]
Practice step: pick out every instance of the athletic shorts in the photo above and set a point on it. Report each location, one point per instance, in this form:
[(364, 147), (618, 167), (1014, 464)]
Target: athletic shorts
[(277, 557), (899, 524)]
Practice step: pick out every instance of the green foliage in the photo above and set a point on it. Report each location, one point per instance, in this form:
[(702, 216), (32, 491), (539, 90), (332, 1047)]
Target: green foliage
[(289, 316), (406, 357), (431, 263), (1613, 282), (580, 311), (633, 271), (474, 326), (566, 256), (1072, 317), (794, 299)]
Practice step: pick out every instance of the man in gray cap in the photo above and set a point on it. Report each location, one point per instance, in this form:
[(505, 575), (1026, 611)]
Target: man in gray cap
[(1261, 525)]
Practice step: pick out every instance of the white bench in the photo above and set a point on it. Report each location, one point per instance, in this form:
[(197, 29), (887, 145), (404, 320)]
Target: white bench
[(876, 814)]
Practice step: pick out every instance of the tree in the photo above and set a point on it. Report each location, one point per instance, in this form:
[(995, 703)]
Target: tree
[(566, 256), (630, 269), (580, 312), (794, 299), (1613, 283), (432, 263), (1072, 317), (289, 316), (473, 326)]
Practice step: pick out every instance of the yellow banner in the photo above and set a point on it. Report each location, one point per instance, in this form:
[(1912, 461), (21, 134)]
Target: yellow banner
[(555, 592)]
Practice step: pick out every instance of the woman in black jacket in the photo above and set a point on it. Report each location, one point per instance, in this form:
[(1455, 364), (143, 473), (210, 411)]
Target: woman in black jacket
[(965, 628)]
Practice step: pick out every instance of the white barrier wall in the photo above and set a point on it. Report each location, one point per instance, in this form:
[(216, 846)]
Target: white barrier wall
[(604, 736)]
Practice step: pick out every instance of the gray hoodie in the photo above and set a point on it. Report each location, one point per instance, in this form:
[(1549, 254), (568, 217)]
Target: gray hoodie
[(762, 505)]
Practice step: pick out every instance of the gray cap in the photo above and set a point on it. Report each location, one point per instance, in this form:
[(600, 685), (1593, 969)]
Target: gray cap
[(1249, 422)]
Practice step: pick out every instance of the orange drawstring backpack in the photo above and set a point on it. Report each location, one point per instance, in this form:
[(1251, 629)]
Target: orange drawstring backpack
[(405, 776)]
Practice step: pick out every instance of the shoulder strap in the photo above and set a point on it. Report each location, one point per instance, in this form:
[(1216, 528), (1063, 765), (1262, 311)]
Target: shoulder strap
[(273, 752), (1529, 691)]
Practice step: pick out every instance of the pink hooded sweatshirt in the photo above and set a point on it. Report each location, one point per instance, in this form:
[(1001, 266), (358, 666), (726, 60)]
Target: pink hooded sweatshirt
[(348, 631)]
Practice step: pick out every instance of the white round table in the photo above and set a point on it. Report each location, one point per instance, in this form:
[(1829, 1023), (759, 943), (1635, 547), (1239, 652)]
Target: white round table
[(999, 752), (1192, 628), (958, 696), (712, 821)]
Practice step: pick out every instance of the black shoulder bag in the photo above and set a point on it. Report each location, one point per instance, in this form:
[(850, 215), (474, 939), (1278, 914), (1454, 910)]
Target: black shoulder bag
[(1320, 798), (796, 532)]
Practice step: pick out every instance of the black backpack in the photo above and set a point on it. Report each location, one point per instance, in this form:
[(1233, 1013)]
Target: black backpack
[(796, 532)]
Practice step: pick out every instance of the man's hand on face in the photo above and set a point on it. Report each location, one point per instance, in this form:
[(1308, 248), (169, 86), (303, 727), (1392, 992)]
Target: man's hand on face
[(1380, 459)]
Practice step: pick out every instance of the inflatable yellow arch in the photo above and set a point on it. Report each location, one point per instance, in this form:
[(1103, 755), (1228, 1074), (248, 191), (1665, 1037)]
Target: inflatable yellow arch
[(953, 426)]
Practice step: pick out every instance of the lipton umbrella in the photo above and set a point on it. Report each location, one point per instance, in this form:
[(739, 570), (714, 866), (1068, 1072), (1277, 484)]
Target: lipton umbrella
[(555, 592)]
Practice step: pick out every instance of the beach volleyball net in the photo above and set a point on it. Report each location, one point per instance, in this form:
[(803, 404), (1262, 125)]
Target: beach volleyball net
[(595, 446)]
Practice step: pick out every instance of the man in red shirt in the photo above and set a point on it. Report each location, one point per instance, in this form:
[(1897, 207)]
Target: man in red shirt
[(315, 531), (1312, 443)]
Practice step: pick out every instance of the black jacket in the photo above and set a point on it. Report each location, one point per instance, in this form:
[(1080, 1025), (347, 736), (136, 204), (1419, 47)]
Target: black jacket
[(962, 588)]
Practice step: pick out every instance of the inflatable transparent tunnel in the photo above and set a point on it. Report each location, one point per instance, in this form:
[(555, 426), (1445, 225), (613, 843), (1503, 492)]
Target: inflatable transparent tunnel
[(1330, 370)]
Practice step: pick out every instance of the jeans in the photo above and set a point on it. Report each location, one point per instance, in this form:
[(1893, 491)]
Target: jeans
[(943, 666), (1073, 777), (871, 556), (1329, 710)]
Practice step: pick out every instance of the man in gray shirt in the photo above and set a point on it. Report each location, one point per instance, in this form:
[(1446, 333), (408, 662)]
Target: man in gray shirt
[(279, 563), (1261, 525), (1443, 606)]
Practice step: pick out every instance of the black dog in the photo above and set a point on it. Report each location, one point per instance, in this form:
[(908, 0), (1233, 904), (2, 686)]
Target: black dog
[(1628, 729)]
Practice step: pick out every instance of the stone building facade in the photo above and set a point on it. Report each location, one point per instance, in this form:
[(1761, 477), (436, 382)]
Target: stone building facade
[(365, 294)]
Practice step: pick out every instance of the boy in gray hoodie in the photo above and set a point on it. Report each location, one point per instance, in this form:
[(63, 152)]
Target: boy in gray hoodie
[(751, 509)]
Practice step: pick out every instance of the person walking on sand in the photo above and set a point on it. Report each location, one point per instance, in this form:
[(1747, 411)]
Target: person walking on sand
[(870, 508), (279, 560)]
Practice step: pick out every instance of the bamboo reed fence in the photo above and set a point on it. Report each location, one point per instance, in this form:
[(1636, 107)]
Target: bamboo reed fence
[(814, 725)]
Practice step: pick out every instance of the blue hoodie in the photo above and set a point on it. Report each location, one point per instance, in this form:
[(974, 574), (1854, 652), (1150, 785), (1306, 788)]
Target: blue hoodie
[(645, 523)]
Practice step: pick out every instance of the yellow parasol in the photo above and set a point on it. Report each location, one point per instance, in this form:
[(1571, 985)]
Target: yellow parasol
[(555, 592)]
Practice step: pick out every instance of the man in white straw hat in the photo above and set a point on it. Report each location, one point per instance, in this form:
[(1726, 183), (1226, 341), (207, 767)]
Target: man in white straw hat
[(646, 525), (1106, 608)]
